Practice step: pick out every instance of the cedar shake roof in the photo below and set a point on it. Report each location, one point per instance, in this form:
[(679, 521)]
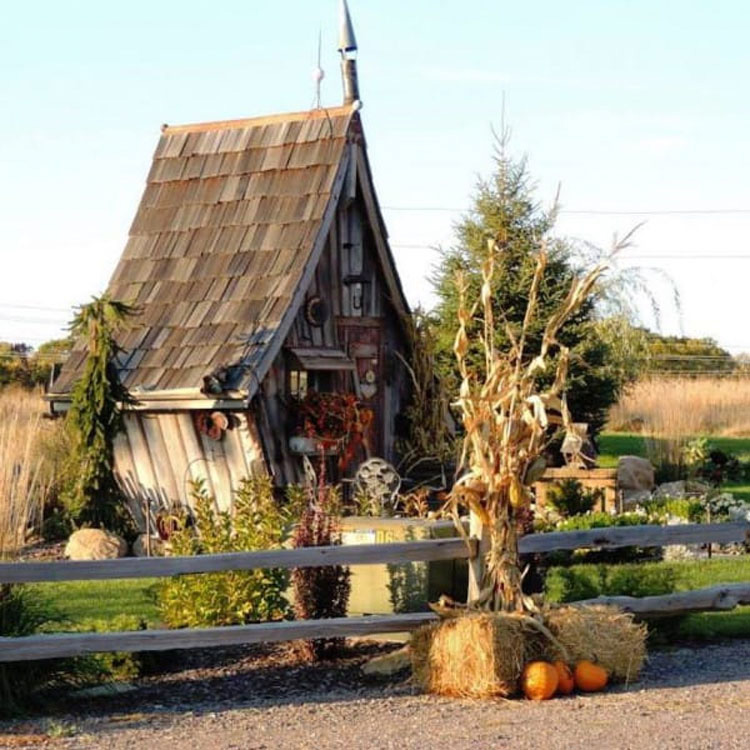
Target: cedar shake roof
[(232, 216)]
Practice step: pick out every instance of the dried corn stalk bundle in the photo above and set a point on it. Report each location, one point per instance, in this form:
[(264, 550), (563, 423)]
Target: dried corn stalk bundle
[(507, 419)]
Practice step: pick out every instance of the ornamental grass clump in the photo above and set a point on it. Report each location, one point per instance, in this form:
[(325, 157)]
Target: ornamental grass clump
[(24, 611)]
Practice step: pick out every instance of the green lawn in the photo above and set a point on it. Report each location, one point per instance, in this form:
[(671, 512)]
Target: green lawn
[(711, 625), (615, 444), (647, 579), (82, 601)]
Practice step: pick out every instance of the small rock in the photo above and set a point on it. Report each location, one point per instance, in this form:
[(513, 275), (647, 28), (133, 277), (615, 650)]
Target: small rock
[(388, 664), (631, 498), (95, 544), (140, 546), (109, 688), (681, 489)]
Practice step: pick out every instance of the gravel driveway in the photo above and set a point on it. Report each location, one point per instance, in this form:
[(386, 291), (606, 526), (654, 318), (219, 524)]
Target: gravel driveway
[(689, 698)]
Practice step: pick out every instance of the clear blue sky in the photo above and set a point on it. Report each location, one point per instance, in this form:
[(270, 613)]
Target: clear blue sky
[(632, 106)]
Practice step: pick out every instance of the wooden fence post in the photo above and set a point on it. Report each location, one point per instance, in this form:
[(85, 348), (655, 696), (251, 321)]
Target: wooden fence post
[(477, 531)]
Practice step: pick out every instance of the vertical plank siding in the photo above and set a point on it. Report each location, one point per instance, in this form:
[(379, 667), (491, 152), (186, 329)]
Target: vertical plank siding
[(159, 453), (161, 458), (197, 466)]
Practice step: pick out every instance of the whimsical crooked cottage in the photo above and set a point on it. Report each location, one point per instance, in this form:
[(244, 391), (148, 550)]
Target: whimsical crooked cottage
[(259, 263)]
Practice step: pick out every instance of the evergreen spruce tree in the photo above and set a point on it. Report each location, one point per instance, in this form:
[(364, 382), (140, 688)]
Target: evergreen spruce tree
[(504, 210), (95, 418)]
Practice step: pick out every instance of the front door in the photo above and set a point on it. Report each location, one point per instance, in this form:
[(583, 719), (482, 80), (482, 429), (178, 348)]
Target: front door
[(362, 341)]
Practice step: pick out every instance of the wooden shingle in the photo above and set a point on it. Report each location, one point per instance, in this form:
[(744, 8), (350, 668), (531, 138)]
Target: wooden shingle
[(221, 238)]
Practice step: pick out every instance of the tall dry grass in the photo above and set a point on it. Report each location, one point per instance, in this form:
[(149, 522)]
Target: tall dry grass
[(685, 407), (23, 482), (669, 412)]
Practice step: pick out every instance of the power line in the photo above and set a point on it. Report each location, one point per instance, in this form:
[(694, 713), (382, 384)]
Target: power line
[(35, 307), (595, 211), (40, 321), (676, 256)]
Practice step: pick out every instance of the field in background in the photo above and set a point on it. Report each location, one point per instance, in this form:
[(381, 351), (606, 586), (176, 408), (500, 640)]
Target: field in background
[(658, 417), (23, 476), (685, 407)]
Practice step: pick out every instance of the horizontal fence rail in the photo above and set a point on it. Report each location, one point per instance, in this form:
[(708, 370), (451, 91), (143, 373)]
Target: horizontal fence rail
[(77, 644), (636, 536), (722, 597), (305, 557), (719, 597)]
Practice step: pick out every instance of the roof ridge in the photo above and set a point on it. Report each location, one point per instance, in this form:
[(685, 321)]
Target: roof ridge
[(311, 114)]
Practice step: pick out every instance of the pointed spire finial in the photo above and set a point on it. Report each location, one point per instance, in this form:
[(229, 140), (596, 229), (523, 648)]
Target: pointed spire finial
[(348, 50), (347, 40)]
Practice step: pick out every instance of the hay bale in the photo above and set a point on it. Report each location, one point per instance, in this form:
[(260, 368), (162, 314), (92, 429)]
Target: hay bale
[(470, 656), (602, 634)]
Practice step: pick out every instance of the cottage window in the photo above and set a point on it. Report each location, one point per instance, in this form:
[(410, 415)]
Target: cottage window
[(298, 383), (301, 381)]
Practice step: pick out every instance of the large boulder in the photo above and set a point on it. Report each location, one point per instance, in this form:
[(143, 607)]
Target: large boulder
[(95, 544), (634, 473)]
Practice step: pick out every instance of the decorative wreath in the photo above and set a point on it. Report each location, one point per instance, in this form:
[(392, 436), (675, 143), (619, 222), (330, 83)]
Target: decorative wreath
[(214, 425)]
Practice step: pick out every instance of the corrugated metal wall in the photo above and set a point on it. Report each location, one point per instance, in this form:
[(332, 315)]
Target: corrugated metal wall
[(160, 453)]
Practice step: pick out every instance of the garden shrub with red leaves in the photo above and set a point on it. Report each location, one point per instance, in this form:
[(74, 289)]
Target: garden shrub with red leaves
[(320, 592)]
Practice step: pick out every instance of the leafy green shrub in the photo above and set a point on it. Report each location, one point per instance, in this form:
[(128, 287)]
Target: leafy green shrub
[(117, 665), (689, 509), (22, 613), (600, 520), (588, 581), (235, 597), (569, 498)]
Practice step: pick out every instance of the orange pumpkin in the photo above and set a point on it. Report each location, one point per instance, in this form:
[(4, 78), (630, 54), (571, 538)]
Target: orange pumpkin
[(539, 680), (590, 677), (565, 681)]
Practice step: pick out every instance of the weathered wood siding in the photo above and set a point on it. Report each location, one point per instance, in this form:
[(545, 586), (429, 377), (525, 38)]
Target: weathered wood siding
[(362, 322), (160, 453)]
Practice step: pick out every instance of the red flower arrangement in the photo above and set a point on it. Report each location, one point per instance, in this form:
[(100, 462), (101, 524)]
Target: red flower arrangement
[(334, 419)]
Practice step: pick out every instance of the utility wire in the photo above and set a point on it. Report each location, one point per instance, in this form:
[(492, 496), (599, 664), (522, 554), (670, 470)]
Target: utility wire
[(35, 307), (595, 211), (676, 256), (39, 321)]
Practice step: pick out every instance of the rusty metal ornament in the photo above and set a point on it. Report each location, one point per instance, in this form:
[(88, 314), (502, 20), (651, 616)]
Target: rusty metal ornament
[(316, 311)]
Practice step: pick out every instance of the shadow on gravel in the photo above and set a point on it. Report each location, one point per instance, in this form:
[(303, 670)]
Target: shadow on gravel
[(224, 679), (218, 680), (685, 664)]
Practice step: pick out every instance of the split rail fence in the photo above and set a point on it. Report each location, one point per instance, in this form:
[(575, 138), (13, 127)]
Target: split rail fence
[(721, 597)]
